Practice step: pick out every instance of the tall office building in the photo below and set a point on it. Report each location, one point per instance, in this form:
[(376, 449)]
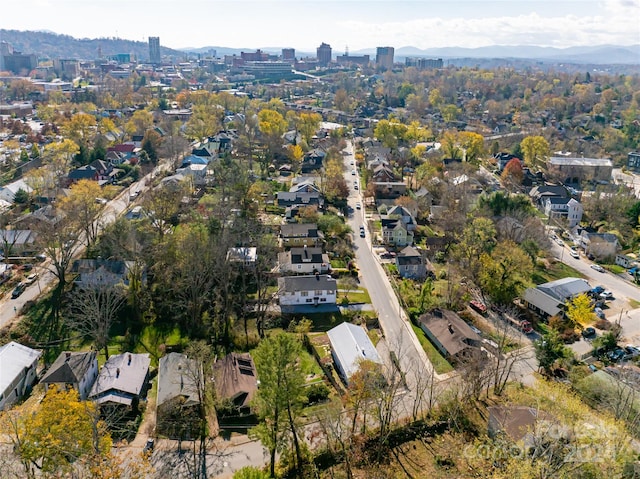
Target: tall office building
[(288, 54), (154, 50), (324, 54), (384, 57)]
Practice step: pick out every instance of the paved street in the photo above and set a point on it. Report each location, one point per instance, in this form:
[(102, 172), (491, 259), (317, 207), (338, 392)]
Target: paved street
[(10, 308), (393, 320)]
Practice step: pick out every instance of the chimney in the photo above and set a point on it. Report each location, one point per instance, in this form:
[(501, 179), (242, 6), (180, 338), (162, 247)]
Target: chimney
[(129, 360), (118, 373), (67, 356), (450, 328)]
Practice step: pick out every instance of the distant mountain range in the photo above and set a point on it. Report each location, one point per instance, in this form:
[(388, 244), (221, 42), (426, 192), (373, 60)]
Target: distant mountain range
[(46, 44), (50, 45)]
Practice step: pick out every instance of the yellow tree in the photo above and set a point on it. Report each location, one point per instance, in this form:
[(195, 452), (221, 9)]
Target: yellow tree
[(80, 128), (473, 145), (40, 180), (580, 311), (81, 206), (272, 125), (61, 431), (308, 124), (59, 156), (534, 148), (205, 121), (295, 154), (140, 121)]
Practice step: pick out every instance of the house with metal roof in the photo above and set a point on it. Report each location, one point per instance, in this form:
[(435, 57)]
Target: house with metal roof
[(122, 380), (177, 404), (18, 373), (576, 170), (548, 299), (78, 370), (350, 345)]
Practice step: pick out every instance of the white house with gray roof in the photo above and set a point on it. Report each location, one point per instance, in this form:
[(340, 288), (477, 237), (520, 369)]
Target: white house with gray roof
[(18, 366), (122, 380), (310, 290), (350, 345)]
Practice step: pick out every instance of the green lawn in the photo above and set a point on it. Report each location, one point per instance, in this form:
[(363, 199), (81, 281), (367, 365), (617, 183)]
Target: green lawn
[(440, 364), (357, 296), (557, 270)]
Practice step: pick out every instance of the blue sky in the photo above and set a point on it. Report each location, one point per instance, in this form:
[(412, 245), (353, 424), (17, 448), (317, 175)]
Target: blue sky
[(304, 24)]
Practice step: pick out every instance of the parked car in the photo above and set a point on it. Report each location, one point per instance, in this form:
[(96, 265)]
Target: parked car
[(31, 278), (353, 172), (598, 268), (631, 352), (478, 306), (616, 355), (101, 201), (606, 295), (149, 445), (19, 289), (588, 333), (599, 312), (574, 254), (27, 267), (560, 242), (358, 206), (362, 233)]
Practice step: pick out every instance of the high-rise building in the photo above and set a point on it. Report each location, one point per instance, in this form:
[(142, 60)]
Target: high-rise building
[(384, 57), (324, 54), (423, 63), (288, 54), (154, 50)]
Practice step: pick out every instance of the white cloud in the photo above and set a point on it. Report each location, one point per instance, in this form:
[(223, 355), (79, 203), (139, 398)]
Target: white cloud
[(530, 29)]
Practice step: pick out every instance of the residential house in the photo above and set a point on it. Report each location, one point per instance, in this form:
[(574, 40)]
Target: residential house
[(405, 215), (389, 189), (8, 191), (383, 173), (122, 380), (577, 170), (305, 260), (102, 272), (18, 373), (626, 261), (503, 158), (118, 154), (198, 173), (563, 207), (451, 335), (539, 194), (312, 160), (548, 299), (310, 290), (236, 381), (77, 370), (395, 233), (350, 345), (300, 234), (412, 264), (247, 256), (17, 242), (306, 185), (602, 246), (300, 198), (633, 161), (178, 400)]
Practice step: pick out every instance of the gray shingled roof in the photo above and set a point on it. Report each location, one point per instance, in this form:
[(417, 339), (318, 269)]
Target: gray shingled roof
[(176, 378), (307, 283), (69, 367), (565, 288), (121, 378), (450, 330)]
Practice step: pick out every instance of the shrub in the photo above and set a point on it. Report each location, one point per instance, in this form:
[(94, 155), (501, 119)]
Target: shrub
[(317, 392)]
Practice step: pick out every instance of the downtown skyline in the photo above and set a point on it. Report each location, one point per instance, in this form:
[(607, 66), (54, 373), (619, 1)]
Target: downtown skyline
[(355, 24)]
